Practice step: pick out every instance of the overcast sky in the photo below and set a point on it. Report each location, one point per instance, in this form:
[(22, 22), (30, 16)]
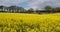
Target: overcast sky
[(36, 4)]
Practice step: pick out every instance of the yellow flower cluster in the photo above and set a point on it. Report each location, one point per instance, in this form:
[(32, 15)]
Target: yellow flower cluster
[(20, 22)]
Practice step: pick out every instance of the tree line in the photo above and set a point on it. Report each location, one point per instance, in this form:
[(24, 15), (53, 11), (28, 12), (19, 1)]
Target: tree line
[(16, 9)]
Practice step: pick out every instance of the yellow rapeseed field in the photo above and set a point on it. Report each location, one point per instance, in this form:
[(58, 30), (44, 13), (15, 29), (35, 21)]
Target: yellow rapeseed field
[(23, 22)]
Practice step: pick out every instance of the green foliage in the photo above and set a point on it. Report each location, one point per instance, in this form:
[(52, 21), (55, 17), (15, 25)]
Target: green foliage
[(25, 27), (16, 9), (30, 10)]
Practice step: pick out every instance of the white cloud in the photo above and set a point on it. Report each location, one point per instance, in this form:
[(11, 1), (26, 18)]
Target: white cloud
[(36, 3), (11, 2), (31, 3), (41, 3)]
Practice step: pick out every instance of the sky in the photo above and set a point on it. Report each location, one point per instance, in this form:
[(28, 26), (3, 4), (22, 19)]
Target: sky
[(35, 4)]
